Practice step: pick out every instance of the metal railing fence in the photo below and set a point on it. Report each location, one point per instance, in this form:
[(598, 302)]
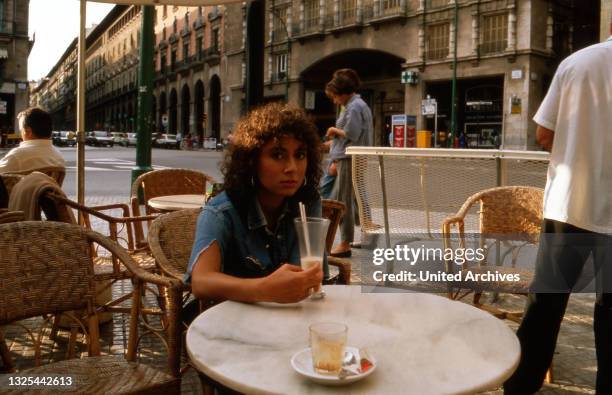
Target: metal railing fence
[(412, 190)]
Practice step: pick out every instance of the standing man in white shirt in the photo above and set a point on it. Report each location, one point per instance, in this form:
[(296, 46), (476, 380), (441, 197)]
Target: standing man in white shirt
[(575, 125), (36, 151)]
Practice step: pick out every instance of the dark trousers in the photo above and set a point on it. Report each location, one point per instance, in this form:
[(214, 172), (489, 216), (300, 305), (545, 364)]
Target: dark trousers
[(563, 252)]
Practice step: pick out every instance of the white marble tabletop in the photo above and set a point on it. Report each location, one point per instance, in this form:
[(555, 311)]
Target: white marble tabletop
[(423, 343), (176, 202)]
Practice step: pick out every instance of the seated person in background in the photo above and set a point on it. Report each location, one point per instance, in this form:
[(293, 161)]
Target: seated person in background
[(246, 247), (36, 151)]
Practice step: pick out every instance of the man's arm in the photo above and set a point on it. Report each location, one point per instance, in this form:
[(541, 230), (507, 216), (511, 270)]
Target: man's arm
[(545, 137)]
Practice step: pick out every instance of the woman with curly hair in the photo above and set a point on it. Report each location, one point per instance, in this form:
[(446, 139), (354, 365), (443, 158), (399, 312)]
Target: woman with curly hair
[(245, 247)]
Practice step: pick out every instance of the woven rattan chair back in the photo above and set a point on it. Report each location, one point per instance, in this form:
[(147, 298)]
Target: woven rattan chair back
[(334, 211), (46, 267), (55, 172), (171, 238), (11, 216), (166, 182), (512, 210)]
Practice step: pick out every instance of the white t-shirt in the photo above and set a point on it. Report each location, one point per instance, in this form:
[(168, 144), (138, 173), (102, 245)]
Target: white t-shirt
[(32, 155), (578, 108)]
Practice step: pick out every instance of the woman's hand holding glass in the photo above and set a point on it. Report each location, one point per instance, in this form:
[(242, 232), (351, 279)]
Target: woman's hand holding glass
[(289, 284)]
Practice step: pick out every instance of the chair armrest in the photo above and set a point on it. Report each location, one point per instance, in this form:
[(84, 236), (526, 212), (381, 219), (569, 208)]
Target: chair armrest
[(344, 267), (112, 221), (165, 267), (114, 206)]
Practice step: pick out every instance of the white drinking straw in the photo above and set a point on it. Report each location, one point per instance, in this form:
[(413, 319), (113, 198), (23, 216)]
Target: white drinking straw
[(305, 227)]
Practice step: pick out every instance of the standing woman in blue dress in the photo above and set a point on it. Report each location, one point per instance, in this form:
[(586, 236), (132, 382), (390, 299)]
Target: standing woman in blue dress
[(245, 247)]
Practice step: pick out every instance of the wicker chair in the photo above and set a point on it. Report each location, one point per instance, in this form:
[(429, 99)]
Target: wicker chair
[(334, 211), (37, 261), (512, 214), (171, 238), (57, 173), (165, 182), (120, 229), (37, 192)]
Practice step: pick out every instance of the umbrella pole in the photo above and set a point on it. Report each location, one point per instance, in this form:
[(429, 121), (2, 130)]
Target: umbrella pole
[(145, 92), (80, 116), (255, 53)]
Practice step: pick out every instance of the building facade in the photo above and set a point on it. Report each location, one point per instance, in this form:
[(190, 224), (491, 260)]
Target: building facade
[(188, 45), (110, 70), (15, 46), (499, 54), (188, 70), (505, 52)]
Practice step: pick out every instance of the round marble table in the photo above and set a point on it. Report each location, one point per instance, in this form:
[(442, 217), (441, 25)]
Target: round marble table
[(423, 343), (177, 202)]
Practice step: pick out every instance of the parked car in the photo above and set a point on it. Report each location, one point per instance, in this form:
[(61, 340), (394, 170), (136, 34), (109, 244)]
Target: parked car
[(132, 139), (55, 138), (99, 138), (120, 138), (64, 138), (168, 141)]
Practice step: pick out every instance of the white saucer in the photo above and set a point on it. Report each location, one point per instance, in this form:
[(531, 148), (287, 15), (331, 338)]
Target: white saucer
[(302, 363)]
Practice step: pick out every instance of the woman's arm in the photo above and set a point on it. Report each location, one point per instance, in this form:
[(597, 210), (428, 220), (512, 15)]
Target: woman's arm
[(288, 284), (334, 131)]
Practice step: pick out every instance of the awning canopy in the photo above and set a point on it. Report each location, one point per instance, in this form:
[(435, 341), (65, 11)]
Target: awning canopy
[(169, 2)]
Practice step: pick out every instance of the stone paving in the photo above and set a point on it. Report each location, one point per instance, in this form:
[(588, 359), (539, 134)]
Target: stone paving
[(574, 364)]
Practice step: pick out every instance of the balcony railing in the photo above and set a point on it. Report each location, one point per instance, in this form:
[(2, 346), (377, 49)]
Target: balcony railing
[(371, 11), (212, 55), (279, 76)]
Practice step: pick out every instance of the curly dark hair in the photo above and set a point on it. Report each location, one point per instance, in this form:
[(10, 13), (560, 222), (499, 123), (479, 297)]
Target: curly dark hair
[(263, 124)]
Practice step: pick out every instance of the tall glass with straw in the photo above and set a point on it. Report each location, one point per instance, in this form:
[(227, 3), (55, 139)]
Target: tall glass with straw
[(311, 235)]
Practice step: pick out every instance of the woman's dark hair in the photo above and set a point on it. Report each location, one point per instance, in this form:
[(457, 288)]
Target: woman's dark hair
[(344, 81), (263, 124)]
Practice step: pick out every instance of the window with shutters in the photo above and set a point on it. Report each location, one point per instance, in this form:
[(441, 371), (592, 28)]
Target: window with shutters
[(494, 33), (437, 41)]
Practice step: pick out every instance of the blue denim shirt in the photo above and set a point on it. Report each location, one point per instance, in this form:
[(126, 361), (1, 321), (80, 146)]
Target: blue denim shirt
[(248, 249)]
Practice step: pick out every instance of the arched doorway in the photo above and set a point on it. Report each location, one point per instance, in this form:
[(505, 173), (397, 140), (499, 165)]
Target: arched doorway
[(185, 113), (214, 116), (381, 87), (172, 112), (163, 110), (199, 109)]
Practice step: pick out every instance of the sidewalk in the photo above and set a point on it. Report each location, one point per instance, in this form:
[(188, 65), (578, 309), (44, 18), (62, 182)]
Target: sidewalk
[(574, 364)]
